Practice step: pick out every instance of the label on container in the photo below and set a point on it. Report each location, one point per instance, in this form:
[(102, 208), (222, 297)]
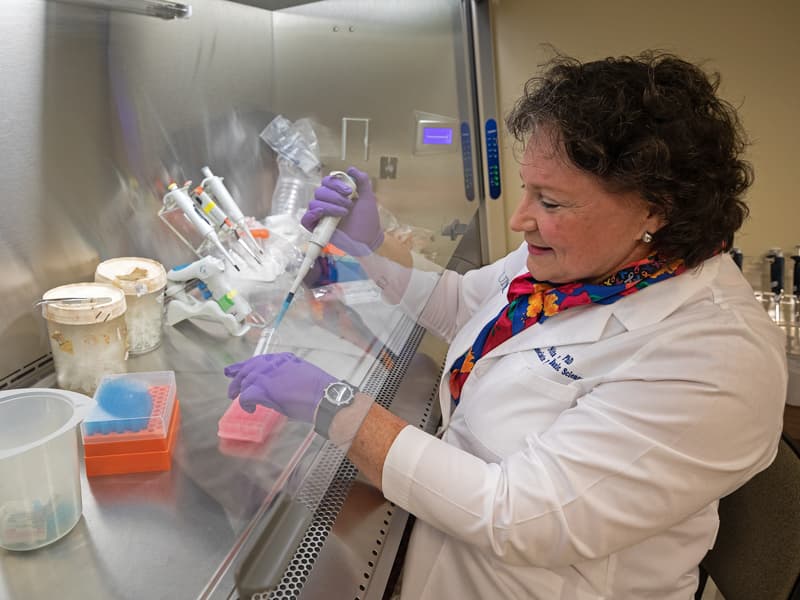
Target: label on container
[(23, 524)]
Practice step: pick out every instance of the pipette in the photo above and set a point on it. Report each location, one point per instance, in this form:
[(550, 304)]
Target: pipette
[(213, 184), (319, 239), (210, 209), (180, 197), (218, 218)]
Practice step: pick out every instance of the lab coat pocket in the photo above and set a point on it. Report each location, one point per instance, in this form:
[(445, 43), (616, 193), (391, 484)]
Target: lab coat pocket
[(505, 400)]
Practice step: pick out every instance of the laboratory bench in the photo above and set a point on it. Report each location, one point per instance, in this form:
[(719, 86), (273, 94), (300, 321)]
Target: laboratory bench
[(287, 518)]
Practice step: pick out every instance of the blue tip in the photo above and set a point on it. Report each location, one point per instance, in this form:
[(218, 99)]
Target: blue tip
[(284, 308), (121, 405)]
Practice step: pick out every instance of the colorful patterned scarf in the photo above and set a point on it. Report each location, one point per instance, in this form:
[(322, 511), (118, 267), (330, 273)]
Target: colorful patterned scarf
[(531, 302)]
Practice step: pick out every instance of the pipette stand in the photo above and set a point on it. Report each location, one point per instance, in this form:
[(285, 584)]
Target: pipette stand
[(177, 222), (191, 308)]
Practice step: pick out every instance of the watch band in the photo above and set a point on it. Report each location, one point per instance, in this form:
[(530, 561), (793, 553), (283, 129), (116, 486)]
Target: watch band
[(331, 404)]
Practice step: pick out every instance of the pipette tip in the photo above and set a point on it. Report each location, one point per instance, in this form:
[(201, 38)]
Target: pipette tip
[(253, 241), (247, 249), (284, 308)]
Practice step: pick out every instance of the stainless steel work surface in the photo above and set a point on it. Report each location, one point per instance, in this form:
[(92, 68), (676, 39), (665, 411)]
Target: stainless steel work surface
[(161, 535), (168, 534)]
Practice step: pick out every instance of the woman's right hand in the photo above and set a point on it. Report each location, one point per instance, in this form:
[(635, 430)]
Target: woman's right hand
[(359, 232)]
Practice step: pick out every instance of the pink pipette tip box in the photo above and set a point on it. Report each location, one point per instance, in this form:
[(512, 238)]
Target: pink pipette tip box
[(238, 424)]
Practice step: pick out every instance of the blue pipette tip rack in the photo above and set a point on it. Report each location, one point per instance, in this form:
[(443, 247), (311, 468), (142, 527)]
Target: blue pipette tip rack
[(122, 405), (131, 403)]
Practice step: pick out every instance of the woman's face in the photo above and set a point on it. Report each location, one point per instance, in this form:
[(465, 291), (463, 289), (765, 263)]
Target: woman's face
[(575, 229)]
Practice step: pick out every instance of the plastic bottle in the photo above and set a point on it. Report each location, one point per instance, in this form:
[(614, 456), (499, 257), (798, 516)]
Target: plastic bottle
[(298, 164), (776, 270), (293, 190), (288, 141)]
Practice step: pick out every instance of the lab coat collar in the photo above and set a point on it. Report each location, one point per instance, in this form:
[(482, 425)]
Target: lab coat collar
[(586, 324), (655, 303)]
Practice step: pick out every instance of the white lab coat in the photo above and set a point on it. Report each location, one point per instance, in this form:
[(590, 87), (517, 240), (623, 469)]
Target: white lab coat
[(588, 453)]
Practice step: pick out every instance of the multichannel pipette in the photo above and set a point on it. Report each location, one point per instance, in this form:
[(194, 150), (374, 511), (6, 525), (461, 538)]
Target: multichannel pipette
[(319, 239), (218, 218), (181, 197), (213, 184)]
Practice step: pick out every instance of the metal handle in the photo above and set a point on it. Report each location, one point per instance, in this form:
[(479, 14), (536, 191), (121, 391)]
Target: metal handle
[(163, 9), (73, 300), (345, 122)]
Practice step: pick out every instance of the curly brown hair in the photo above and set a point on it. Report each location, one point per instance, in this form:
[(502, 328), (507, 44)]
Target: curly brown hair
[(651, 124)]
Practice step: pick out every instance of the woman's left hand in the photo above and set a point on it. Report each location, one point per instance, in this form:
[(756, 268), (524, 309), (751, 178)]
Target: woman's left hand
[(282, 382)]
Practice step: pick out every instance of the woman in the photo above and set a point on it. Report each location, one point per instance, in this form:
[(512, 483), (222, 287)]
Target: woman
[(607, 382)]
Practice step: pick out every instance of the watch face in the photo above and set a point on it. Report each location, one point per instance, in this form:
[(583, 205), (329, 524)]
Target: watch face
[(339, 393)]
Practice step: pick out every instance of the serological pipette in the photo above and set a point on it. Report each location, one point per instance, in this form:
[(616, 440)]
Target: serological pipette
[(218, 218), (214, 185), (319, 239), (180, 196)]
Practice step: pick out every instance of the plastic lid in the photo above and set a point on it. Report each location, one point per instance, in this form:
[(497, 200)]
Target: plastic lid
[(131, 407), (134, 276), (106, 302)]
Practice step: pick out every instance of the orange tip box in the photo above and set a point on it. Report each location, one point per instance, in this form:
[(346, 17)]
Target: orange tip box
[(132, 427)]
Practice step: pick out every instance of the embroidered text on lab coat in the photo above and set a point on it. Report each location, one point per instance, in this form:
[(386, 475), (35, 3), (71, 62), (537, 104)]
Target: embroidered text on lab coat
[(560, 363)]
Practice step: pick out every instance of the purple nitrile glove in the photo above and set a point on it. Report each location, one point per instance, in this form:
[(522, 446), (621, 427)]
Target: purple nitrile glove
[(359, 232), (282, 382)]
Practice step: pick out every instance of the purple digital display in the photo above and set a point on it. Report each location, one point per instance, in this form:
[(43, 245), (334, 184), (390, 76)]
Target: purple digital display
[(437, 135)]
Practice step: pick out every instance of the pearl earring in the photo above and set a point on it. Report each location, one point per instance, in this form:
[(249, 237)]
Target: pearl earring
[(647, 237)]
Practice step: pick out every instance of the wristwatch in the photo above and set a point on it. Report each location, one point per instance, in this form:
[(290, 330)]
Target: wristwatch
[(337, 395)]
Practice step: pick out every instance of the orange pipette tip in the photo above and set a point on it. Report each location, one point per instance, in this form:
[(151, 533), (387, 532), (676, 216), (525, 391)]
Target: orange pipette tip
[(331, 249)]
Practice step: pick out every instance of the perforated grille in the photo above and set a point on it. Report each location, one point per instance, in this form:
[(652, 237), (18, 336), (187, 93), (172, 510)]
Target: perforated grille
[(30, 374), (326, 488)]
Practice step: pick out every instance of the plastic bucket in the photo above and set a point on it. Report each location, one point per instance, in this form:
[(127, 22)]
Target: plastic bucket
[(40, 491)]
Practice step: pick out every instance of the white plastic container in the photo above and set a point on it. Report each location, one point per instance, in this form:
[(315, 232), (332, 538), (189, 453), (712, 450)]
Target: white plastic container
[(88, 339), (40, 491), (143, 280)]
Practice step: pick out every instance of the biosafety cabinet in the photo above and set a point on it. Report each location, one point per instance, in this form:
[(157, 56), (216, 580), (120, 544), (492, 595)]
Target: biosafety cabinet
[(104, 103)]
